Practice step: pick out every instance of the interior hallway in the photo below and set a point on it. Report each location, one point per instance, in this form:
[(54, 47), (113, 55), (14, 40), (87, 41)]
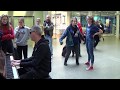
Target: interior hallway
[(107, 62)]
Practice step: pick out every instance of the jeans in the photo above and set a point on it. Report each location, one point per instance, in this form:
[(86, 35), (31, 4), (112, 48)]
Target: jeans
[(49, 38), (90, 46), (68, 51)]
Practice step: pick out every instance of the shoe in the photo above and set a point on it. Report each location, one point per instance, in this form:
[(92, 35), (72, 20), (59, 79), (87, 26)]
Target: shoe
[(77, 63), (87, 63), (65, 63), (80, 56), (89, 68)]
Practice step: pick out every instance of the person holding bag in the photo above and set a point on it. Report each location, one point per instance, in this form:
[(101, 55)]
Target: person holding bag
[(73, 39)]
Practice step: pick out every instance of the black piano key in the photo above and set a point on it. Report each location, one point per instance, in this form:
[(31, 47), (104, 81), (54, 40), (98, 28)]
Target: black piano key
[(9, 72)]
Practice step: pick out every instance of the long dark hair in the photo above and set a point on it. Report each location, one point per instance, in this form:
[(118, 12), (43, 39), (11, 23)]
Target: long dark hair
[(91, 18), (1, 24)]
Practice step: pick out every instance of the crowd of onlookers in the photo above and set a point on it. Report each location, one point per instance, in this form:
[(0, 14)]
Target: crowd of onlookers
[(39, 64)]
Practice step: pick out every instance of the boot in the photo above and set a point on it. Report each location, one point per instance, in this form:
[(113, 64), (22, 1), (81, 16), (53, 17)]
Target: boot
[(77, 62)]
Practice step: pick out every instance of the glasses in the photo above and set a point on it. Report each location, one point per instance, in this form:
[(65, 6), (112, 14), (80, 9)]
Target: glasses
[(32, 31)]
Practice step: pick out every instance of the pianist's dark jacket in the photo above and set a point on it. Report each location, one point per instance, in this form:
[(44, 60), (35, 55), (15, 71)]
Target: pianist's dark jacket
[(40, 62)]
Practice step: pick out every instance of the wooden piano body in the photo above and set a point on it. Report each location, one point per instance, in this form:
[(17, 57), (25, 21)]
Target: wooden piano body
[(8, 71)]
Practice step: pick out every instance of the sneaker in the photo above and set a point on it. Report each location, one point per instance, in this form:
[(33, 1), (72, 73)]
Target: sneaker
[(87, 63), (89, 68)]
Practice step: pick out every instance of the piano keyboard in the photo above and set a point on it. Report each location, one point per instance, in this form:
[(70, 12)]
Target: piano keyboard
[(11, 72)]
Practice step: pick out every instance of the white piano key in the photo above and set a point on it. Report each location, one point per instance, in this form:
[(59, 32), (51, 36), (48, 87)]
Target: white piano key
[(15, 73)]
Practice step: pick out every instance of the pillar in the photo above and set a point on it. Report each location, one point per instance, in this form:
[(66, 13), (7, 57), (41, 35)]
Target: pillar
[(38, 14), (11, 19), (90, 13), (29, 13), (68, 17), (117, 24), (44, 14)]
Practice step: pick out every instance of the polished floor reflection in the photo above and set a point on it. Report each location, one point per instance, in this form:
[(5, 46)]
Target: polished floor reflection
[(107, 62)]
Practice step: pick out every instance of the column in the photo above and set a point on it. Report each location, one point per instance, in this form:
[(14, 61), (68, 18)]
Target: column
[(29, 13), (38, 14), (90, 13), (68, 17), (44, 14), (117, 24)]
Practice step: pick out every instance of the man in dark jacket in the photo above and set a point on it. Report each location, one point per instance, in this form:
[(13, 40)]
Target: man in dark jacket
[(38, 66), (48, 31)]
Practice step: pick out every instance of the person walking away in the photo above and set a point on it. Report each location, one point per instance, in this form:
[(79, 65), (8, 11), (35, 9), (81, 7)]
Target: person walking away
[(96, 37)]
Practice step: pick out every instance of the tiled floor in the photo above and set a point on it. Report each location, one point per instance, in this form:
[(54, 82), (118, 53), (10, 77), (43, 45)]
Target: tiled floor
[(107, 62)]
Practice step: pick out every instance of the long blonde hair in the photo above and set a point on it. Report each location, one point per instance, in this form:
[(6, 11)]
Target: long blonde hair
[(1, 25)]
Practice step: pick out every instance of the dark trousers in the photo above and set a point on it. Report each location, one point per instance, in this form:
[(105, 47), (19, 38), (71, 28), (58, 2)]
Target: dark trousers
[(84, 39), (73, 51), (7, 46), (68, 51), (90, 46), (23, 49), (29, 73), (25, 74), (96, 41)]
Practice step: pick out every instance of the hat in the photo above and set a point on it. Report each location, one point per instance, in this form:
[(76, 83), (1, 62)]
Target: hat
[(36, 29)]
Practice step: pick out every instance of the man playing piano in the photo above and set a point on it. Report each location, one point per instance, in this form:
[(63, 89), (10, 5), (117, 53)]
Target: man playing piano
[(38, 66)]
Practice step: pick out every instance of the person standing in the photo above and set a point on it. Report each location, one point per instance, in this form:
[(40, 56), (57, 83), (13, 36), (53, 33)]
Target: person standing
[(8, 35), (91, 31), (22, 34), (73, 36), (48, 31), (81, 32), (38, 21)]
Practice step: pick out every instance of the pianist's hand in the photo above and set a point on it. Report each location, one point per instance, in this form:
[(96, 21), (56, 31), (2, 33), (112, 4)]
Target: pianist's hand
[(17, 61), (15, 64)]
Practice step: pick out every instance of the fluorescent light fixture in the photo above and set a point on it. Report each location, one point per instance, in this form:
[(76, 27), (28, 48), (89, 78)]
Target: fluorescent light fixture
[(19, 13), (4, 12)]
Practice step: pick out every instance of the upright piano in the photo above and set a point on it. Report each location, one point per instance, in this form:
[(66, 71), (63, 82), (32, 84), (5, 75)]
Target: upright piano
[(10, 71)]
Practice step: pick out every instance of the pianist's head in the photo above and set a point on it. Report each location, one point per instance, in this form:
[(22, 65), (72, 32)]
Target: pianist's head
[(35, 33)]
